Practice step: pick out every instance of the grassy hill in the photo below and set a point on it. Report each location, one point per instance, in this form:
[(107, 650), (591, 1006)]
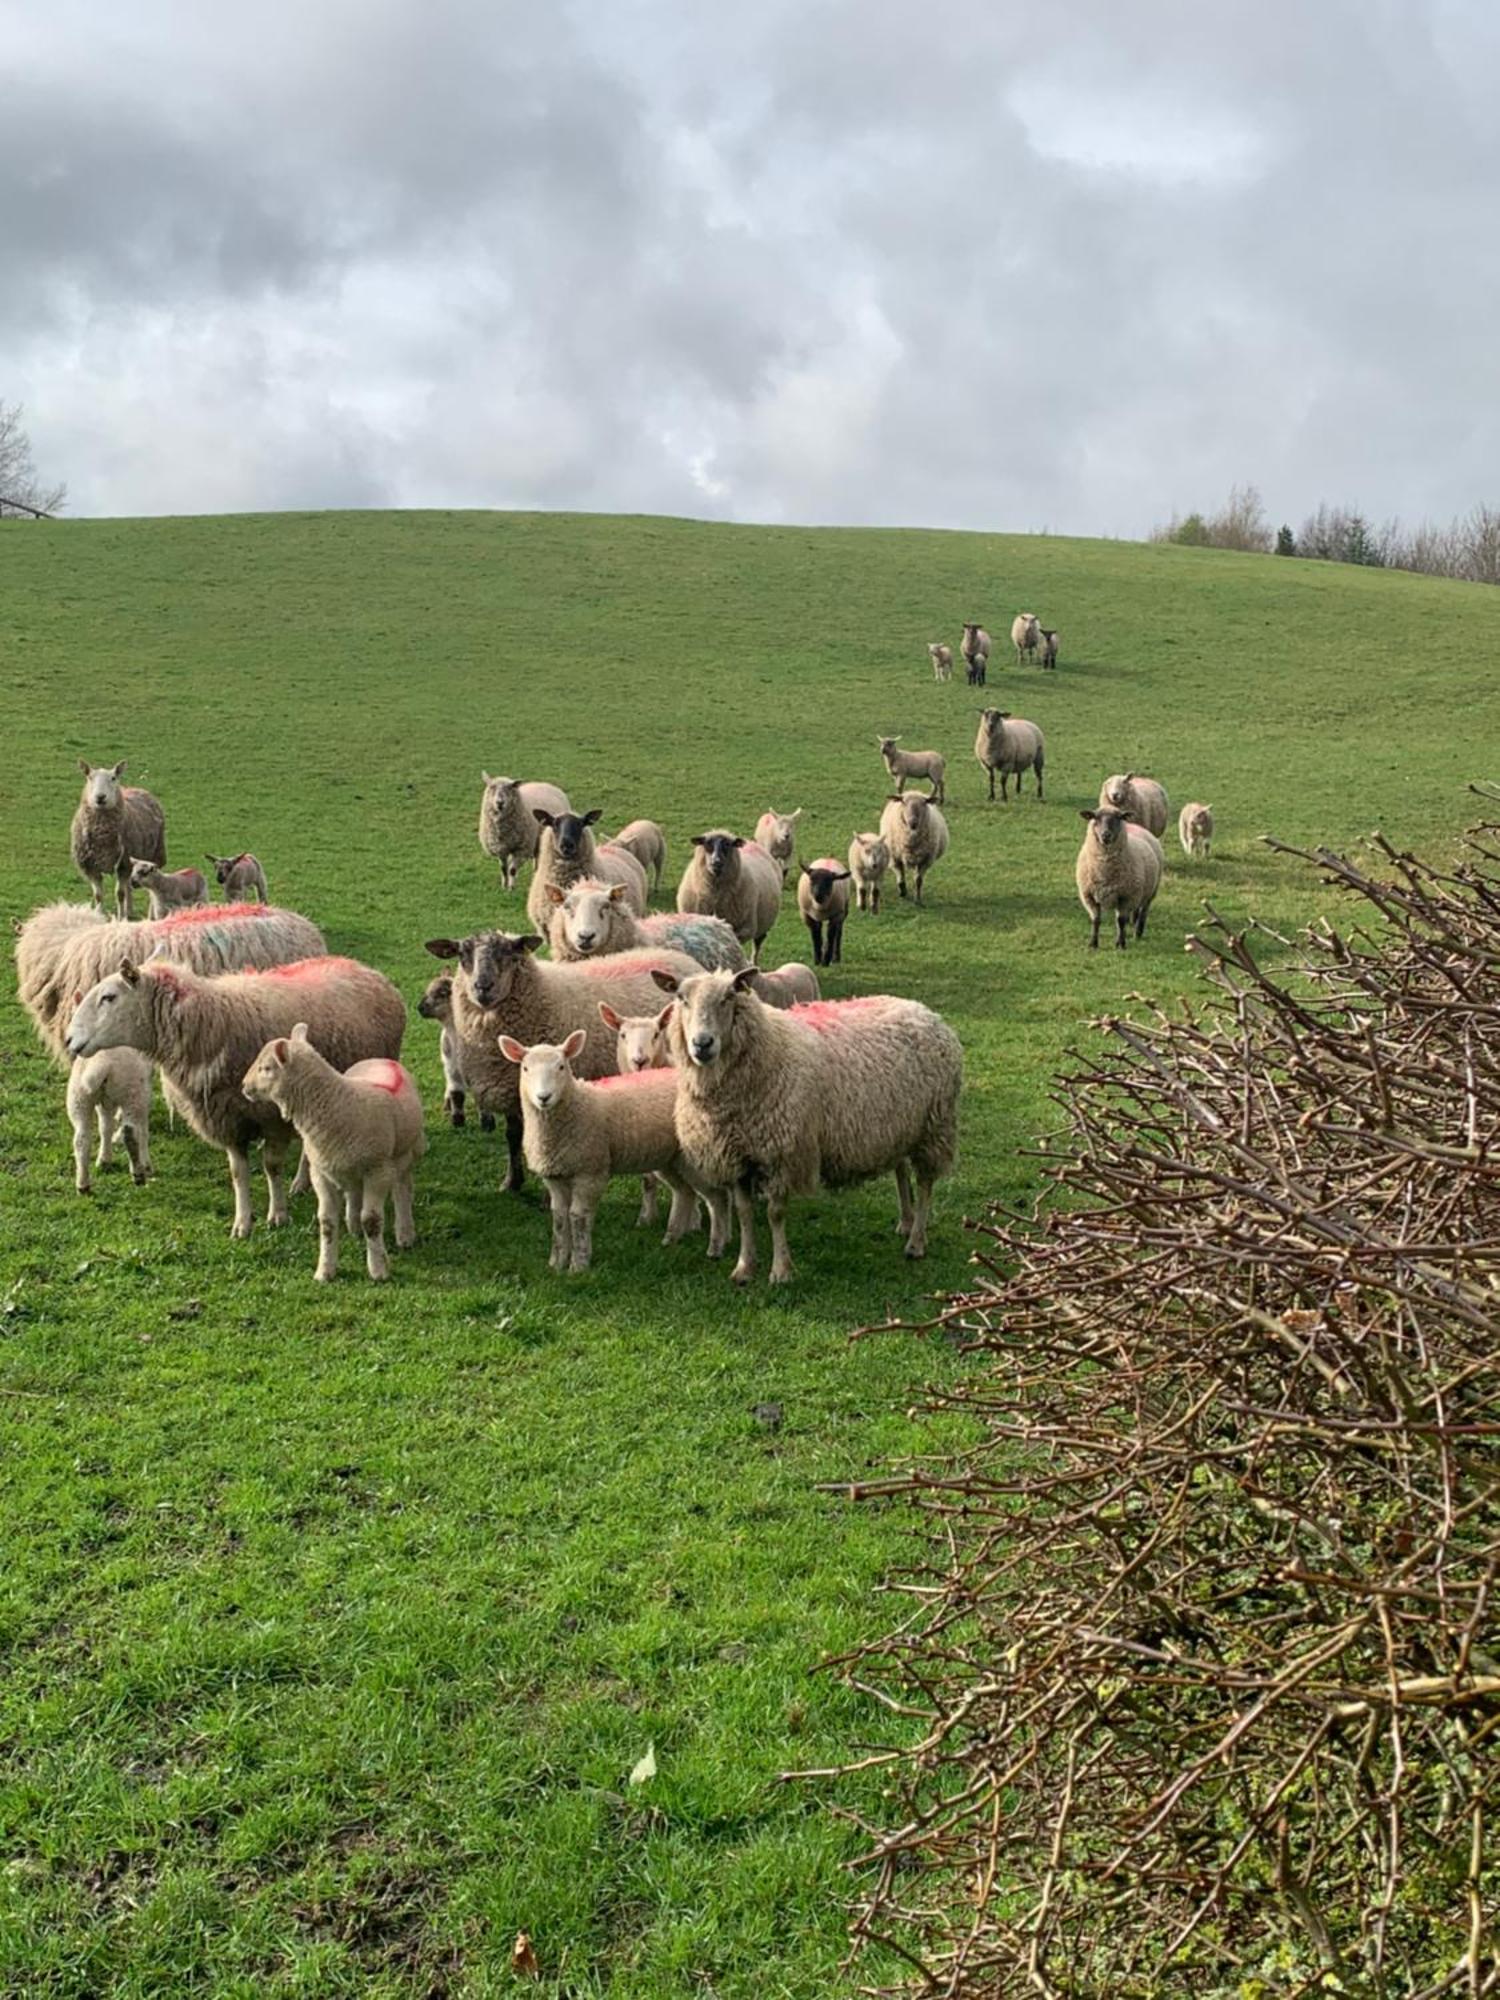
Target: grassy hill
[(336, 1618)]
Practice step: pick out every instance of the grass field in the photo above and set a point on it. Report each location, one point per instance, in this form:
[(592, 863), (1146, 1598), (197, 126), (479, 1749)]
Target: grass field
[(335, 1619)]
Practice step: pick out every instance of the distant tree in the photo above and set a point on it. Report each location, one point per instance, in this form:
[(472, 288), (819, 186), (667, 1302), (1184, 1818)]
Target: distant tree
[(1286, 541), (1361, 545), (21, 491), (1191, 532), (1241, 523)]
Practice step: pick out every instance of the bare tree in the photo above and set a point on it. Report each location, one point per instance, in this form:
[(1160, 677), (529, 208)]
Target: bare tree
[(21, 491)]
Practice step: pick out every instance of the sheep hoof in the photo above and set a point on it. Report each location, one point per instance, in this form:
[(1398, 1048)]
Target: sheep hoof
[(915, 1250), (782, 1276), (406, 1242), (741, 1275), (85, 1187), (240, 1231), (140, 1179), (277, 1219)]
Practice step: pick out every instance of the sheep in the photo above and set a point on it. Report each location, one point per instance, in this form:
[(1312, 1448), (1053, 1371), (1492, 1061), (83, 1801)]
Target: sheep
[(942, 662), (184, 890), (500, 988), (1142, 798), (65, 948), (645, 840), (1118, 868), (916, 834), (579, 1134), (869, 858), (975, 647), (113, 1087), (790, 985), (113, 825), (777, 834), (1195, 829), (904, 764), (640, 1043), (1010, 746), (203, 1034), (567, 853), (1050, 643), (823, 898), (776, 1103), (592, 921), (508, 828), (1025, 634), (436, 1004), (361, 1132), (238, 875), (733, 878)]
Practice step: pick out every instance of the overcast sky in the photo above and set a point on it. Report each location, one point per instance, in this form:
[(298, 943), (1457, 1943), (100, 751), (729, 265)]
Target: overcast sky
[(958, 262)]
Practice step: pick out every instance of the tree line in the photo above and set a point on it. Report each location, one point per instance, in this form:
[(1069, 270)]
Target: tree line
[(1467, 547)]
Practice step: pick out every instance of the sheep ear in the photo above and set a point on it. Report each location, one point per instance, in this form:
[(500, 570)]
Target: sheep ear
[(511, 1049), (608, 1016), (486, 777), (745, 978), (572, 1048), (666, 1014), (667, 981), (590, 817), (842, 875), (130, 972), (617, 892), (541, 815), (443, 947), (86, 767), (698, 839), (1087, 815), (531, 942), (119, 769), (739, 840), (896, 798), (553, 893), (805, 869), (299, 1033), (796, 815)]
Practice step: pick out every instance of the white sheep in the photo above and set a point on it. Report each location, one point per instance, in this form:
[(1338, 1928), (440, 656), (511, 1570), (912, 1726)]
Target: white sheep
[(975, 647), (646, 841), (113, 825), (186, 889), (1195, 829), (823, 899), (1025, 634), (362, 1134), (1142, 798), (733, 878), (114, 1088), (508, 827), (777, 834), (568, 853), (790, 985), (904, 764), (1050, 644), (579, 1134), (869, 860), (593, 920), (241, 877), (942, 662), (436, 1004), (916, 834), (779, 1103), (1118, 868), (204, 1033), (1010, 746), (640, 1043)]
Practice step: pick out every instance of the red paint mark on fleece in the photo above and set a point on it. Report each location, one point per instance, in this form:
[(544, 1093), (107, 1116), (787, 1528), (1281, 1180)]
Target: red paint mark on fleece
[(826, 861), (821, 1015), (168, 976), (633, 1077), (210, 913), (305, 971), (383, 1075)]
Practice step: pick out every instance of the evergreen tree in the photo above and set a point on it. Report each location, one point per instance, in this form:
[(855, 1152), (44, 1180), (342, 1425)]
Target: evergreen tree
[(1286, 541)]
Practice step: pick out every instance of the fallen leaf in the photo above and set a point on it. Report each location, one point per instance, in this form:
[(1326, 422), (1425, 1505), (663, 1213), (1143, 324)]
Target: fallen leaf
[(523, 1960), (646, 1768)]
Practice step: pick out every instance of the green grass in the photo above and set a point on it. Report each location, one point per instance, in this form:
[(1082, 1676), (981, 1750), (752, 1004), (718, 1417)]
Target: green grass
[(334, 1620)]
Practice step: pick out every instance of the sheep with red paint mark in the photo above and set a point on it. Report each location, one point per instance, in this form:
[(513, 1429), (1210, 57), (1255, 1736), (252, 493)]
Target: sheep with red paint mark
[(777, 1104), (579, 1134), (362, 1134), (204, 1033), (568, 853)]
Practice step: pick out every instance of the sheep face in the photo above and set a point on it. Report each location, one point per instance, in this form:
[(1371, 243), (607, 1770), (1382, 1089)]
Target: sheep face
[(1106, 826), (1118, 793), (436, 1004), (102, 791), (588, 917), (141, 873), (888, 746), (490, 962), (721, 854), (821, 883), (546, 1076), (708, 1003), (914, 810), (569, 830), (111, 1015)]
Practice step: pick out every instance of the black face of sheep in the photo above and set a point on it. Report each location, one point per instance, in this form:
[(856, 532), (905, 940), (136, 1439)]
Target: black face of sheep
[(717, 850), (437, 998), (568, 829), (821, 882), (1106, 825), (489, 958)]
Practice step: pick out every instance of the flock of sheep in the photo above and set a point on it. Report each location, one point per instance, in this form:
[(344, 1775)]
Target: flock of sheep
[(648, 1044)]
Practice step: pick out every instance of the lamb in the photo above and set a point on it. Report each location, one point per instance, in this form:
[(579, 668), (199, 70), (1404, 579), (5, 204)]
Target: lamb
[(777, 1103), (508, 828), (942, 662), (65, 948), (436, 1004), (777, 834), (733, 878), (239, 875), (184, 890), (361, 1133), (1195, 829), (113, 1087), (113, 825), (823, 899), (1050, 643), (869, 858), (592, 921), (1142, 798), (640, 1043), (790, 985), (1118, 868), (916, 834), (975, 647), (567, 853), (904, 764), (580, 1134), (500, 988), (1025, 634), (204, 1033), (645, 840), (1010, 746)]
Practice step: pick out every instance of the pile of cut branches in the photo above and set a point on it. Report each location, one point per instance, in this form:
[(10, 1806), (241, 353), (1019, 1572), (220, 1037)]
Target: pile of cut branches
[(1200, 1680)]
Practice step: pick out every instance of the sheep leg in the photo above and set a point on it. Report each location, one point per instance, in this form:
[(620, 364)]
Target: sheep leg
[(992, 780), (560, 1193), (816, 931), (302, 1179), (351, 1210), (901, 876), (239, 1174), (329, 1205), (682, 1219), (716, 1200), (124, 895), (1038, 770), (921, 874), (372, 1222), (835, 942), (1120, 921), (903, 1197), (647, 1216), (453, 1104), (1096, 911), (875, 904), (79, 1114), (586, 1195), (916, 1242), (486, 1121), (515, 1173), (744, 1208), (105, 1114), (96, 891), (138, 1147), (406, 1232), (781, 1256), (1140, 920), (273, 1160)]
